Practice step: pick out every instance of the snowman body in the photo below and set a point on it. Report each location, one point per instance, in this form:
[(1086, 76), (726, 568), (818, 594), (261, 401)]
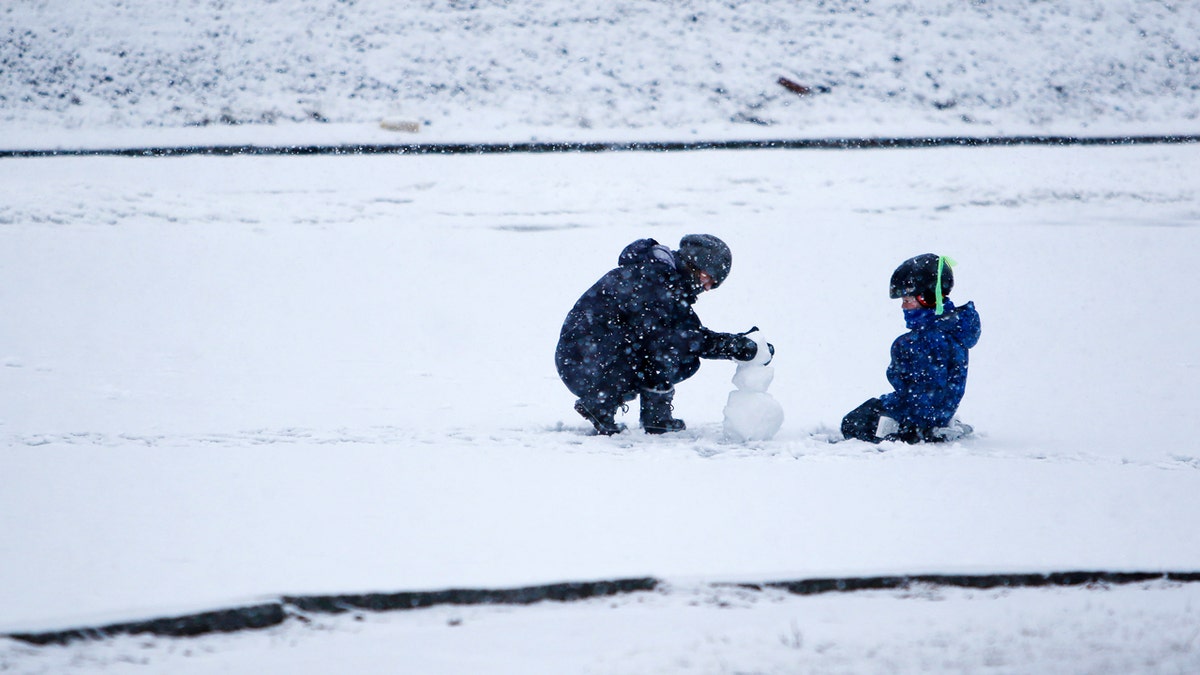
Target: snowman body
[(752, 414)]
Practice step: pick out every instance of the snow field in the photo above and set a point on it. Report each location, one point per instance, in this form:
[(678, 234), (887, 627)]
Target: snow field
[(233, 377)]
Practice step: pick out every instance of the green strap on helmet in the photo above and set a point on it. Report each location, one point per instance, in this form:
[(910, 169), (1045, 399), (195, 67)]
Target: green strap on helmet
[(943, 260)]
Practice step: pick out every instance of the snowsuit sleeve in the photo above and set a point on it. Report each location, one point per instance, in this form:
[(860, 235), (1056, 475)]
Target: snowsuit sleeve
[(667, 330), (729, 346)]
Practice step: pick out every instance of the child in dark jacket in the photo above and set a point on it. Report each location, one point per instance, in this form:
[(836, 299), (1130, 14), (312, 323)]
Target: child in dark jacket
[(928, 371), (634, 334)]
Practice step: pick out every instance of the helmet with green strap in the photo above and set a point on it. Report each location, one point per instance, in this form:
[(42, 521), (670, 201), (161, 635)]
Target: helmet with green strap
[(926, 277)]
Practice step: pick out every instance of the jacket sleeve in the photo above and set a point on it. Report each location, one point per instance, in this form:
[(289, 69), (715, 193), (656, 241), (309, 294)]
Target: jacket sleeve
[(728, 346), (667, 335), (676, 334)]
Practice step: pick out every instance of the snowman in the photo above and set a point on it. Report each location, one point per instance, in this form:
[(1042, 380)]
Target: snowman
[(751, 414)]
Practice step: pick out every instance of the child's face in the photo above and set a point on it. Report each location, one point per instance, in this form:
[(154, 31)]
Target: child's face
[(909, 302)]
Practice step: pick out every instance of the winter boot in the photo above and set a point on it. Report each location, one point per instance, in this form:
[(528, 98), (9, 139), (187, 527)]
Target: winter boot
[(601, 417), (863, 422), (656, 412), (955, 430)]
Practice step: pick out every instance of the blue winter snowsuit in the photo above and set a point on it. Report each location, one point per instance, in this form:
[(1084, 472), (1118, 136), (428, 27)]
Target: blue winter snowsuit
[(929, 366), (928, 373), (635, 329)]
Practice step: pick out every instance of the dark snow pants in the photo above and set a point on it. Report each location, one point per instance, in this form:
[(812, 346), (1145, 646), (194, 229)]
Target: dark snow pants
[(863, 421), (607, 378)]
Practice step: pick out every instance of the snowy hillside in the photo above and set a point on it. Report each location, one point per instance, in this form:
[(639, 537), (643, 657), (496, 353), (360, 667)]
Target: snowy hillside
[(269, 383), (559, 69)]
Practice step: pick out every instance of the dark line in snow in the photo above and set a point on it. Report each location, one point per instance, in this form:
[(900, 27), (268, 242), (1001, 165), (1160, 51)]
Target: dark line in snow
[(219, 621), (380, 602), (978, 581), (632, 146), (265, 615), (273, 613)]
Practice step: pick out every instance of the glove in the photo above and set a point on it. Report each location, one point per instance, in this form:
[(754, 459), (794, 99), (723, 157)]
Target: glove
[(749, 351)]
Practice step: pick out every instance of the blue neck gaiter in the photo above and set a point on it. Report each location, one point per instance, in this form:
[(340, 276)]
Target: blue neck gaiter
[(915, 318)]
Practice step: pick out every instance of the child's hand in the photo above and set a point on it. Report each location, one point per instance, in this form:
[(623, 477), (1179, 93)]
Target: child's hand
[(756, 351)]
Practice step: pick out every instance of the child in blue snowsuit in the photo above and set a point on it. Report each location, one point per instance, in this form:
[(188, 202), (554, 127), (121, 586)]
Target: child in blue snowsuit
[(928, 371)]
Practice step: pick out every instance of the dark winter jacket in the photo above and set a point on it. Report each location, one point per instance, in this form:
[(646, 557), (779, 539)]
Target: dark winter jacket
[(929, 366), (635, 328)]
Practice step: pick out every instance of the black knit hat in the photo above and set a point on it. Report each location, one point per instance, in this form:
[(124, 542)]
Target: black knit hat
[(708, 254)]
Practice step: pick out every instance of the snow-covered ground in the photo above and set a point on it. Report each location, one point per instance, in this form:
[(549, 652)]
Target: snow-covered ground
[(227, 379), (234, 377), (1129, 629)]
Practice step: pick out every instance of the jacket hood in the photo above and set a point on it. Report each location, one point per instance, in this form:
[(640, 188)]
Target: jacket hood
[(664, 261), (644, 251)]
